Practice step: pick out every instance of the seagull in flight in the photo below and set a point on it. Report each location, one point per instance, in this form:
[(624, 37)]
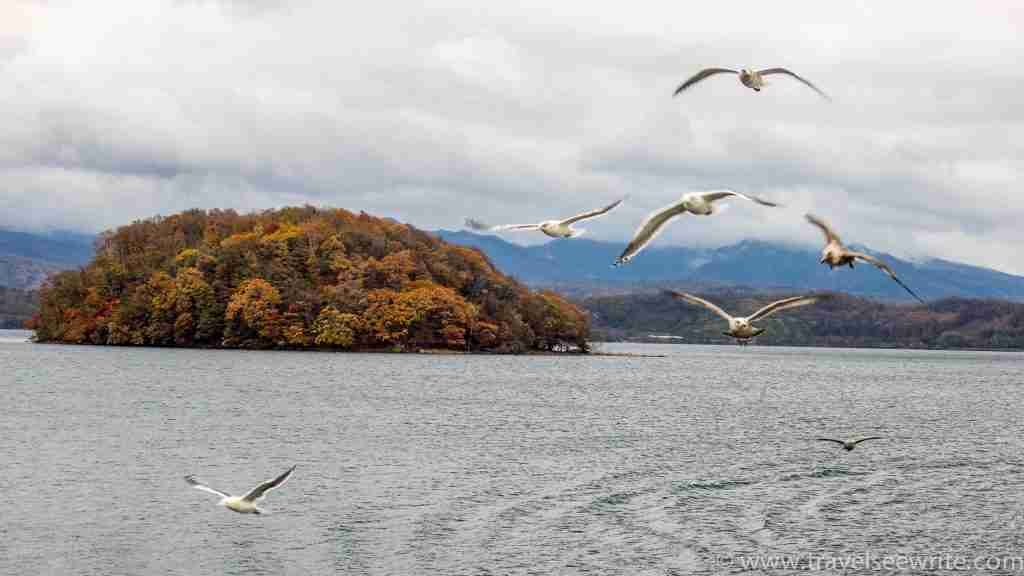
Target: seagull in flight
[(849, 444), (242, 504), (700, 203), (553, 228), (740, 327), (753, 79), (835, 254)]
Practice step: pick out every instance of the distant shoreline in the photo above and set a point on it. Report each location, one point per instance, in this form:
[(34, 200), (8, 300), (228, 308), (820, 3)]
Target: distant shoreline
[(837, 346)]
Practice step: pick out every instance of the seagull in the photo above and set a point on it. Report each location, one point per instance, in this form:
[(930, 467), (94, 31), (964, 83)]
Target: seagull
[(242, 504), (753, 79), (700, 203), (740, 327), (835, 254), (849, 444), (553, 228)]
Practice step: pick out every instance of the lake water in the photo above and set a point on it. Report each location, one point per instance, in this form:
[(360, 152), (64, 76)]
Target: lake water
[(427, 465)]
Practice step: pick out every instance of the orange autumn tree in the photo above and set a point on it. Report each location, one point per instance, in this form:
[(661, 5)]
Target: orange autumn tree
[(293, 278)]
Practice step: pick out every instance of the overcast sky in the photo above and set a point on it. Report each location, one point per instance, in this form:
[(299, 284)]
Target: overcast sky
[(521, 112)]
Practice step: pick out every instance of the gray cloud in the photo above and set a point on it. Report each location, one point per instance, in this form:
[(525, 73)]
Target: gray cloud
[(521, 112)]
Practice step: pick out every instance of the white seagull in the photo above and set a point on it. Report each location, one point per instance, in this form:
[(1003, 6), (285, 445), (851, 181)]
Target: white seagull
[(753, 79), (700, 203), (740, 327), (835, 254), (242, 504), (849, 444), (553, 228)]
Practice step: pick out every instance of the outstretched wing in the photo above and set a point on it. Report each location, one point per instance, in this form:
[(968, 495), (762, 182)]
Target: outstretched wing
[(783, 304), (258, 492), (200, 486), (885, 268), (649, 230), (866, 439), (840, 442), (700, 302), (830, 234), (768, 71), (592, 213), (478, 225), (719, 194), (700, 76)]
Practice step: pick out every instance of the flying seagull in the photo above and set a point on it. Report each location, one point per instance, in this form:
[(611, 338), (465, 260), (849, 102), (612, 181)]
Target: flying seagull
[(242, 504), (835, 254), (700, 203), (740, 327), (753, 79), (849, 444), (553, 228)]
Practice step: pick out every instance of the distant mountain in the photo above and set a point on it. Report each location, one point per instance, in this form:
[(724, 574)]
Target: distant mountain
[(26, 258), (582, 266), (58, 247)]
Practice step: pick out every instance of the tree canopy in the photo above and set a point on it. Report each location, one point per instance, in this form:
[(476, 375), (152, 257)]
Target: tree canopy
[(299, 277)]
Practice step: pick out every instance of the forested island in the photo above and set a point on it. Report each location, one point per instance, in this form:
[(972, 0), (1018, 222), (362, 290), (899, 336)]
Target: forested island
[(840, 320), (298, 278)]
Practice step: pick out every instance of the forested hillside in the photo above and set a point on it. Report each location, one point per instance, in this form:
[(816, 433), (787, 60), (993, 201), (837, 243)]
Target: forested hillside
[(840, 320), (16, 307), (297, 278)]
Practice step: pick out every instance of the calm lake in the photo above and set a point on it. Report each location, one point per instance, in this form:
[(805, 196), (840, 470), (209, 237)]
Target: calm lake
[(428, 465)]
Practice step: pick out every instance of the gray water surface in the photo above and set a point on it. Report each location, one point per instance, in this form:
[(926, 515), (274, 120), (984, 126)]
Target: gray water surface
[(424, 464)]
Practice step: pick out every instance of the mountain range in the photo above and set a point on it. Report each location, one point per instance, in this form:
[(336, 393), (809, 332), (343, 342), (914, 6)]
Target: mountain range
[(582, 267), (26, 258)]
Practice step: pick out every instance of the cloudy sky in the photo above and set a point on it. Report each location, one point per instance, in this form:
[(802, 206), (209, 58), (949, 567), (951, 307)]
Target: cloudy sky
[(111, 112)]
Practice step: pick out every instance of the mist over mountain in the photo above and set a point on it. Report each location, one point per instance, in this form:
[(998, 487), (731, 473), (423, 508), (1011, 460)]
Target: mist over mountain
[(583, 265)]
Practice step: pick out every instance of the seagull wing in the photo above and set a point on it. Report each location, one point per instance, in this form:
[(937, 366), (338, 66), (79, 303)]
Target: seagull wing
[(478, 225), (794, 302), (719, 194), (830, 234), (866, 439), (700, 302), (840, 442), (806, 82), (648, 230), (200, 486), (592, 213), (700, 76), (885, 268), (258, 492)]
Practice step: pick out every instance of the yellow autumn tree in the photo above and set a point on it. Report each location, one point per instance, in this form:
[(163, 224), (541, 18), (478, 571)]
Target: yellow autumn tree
[(335, 329), (252, 318), (423, 316)]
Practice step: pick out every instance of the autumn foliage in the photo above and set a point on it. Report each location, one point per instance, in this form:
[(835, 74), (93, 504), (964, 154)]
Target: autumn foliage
[(296, 278)]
